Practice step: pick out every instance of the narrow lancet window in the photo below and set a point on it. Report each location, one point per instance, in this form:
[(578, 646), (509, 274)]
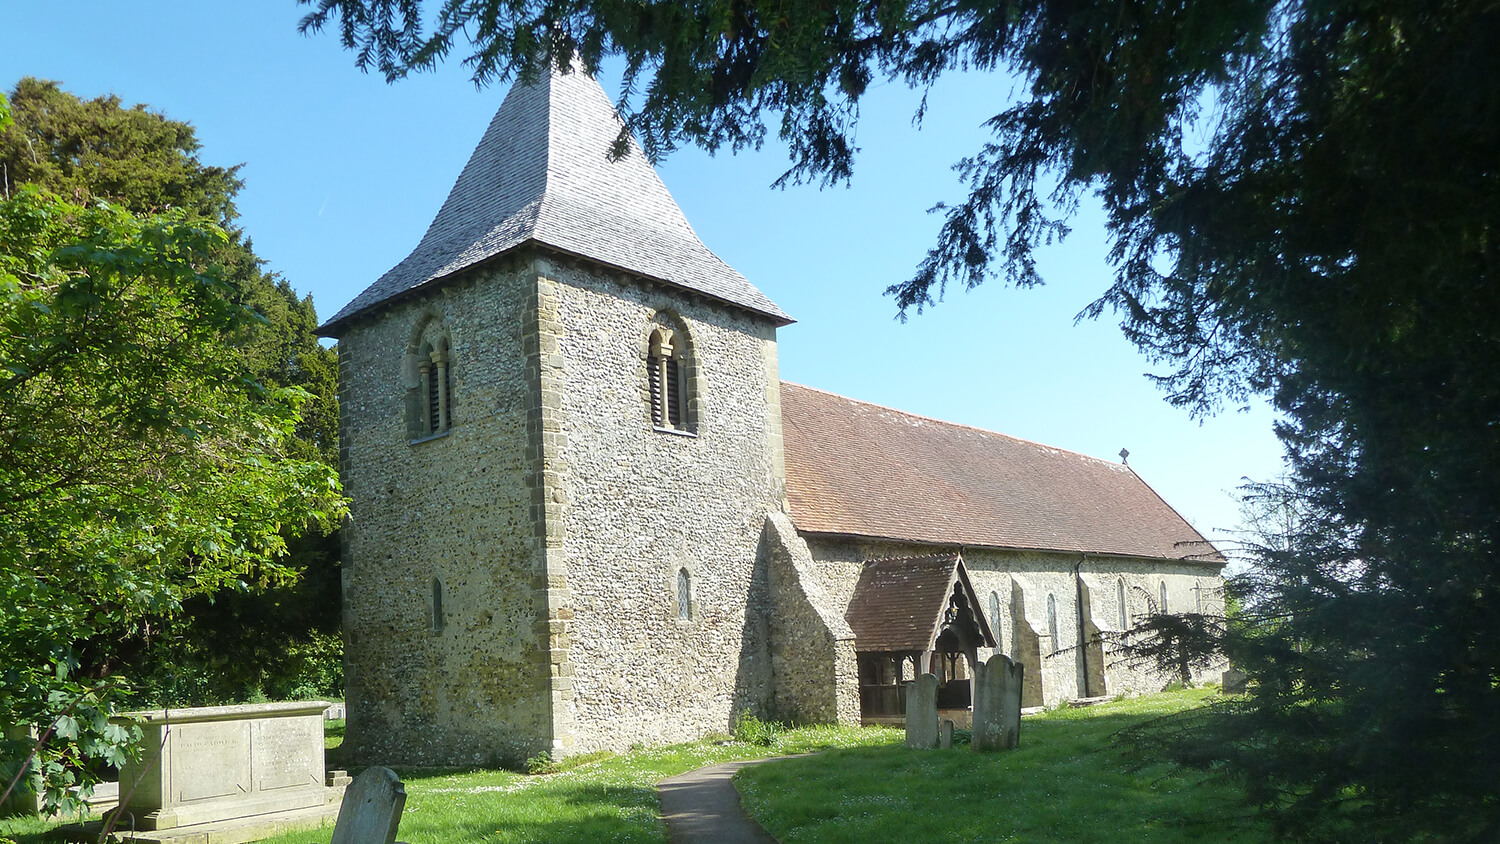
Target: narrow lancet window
[(437, 605), (1052, 622), (684, 595), (1164, 597), (995, 622), (1120, 598)]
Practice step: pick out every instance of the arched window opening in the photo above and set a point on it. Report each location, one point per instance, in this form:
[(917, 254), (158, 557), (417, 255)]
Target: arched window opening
[(429, 381), (1164, 596), (1052, 622), (668, 377), (437, 605), (995, 621), (1120, 598), (684, 595)]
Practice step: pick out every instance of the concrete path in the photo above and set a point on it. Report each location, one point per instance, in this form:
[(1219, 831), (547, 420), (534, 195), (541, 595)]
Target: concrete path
[(702, 807)]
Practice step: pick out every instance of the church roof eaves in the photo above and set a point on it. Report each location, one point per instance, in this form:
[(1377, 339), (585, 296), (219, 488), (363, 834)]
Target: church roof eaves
[(541, 174)]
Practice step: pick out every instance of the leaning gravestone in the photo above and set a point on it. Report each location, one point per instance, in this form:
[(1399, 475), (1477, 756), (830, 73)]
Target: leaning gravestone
[(997, 703), (371, 810), (922, 713)]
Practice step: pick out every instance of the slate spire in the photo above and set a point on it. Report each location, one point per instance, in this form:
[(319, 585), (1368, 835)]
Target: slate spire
[(542, 173)]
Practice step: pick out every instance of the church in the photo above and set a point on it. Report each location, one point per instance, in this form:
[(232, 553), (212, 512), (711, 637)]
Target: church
[(587, 513)]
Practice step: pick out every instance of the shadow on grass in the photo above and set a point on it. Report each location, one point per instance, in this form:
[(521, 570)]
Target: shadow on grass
[(565, 813), (1069, 781)]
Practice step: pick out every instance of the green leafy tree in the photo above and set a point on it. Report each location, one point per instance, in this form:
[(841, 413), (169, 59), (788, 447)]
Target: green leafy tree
[(144, 465), (250, 638), (1303, 201)]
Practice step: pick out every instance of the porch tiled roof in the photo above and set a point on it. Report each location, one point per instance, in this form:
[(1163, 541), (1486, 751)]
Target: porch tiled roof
[(897, 603), (860, 469)]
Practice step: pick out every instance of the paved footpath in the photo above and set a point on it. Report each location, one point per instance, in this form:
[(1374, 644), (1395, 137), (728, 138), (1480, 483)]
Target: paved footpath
[(703, 807)]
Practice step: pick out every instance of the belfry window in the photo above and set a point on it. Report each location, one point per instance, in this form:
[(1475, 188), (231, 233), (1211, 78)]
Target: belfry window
[(668, 377), (429, 381), (434, 372)]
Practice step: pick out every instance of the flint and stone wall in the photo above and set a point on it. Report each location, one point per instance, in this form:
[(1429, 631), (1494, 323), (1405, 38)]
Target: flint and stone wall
[(471, 685), (814, 667), (1022, 581), (639, 505)]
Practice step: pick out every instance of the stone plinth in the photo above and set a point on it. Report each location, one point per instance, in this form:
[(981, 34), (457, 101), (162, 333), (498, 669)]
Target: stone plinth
[(217, 763)]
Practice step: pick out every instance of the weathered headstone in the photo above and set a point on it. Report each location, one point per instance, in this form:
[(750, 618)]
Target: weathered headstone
[(1234, 681), (922, 713), (997, 703), (945, 739), (371, 811)]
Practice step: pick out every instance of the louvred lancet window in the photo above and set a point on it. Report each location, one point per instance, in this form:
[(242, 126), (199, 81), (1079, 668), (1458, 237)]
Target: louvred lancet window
[(668, 382)]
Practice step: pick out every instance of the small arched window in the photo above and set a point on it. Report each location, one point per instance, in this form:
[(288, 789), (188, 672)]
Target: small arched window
[(684, 595), (1164, 597), (437, 605), (669, 380), (1120, 598), (1052, 621), (429, 384), (995, 621)]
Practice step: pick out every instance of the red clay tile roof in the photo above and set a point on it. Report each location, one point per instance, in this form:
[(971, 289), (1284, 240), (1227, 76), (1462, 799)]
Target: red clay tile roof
[(899, 603), (896, 603), (864, 470)]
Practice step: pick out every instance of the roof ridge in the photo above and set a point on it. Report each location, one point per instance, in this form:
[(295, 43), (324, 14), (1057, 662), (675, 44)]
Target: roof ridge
[(1100, 460)]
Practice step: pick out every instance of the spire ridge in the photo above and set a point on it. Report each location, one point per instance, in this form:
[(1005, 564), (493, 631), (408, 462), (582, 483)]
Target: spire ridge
[(542, 173)]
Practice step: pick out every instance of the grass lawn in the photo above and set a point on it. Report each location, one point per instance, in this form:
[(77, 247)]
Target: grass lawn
[(1067, 783)]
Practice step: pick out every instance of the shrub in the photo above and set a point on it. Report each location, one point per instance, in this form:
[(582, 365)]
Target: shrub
[(751, 730)]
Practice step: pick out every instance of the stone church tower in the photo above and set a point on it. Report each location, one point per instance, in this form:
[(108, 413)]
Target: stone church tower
[(561, 433)]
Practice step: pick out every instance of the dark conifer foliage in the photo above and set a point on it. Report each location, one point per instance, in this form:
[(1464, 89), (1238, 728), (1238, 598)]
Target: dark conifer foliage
[(259, 637), (1303, 201)]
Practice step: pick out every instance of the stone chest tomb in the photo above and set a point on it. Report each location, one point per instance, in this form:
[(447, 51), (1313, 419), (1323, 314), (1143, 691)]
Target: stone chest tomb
[(218, 763)]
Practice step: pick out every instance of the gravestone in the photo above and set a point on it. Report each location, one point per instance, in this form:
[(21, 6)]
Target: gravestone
[(1234, 681), (922, 713), (371, 811), (945, 740), (997, 703)]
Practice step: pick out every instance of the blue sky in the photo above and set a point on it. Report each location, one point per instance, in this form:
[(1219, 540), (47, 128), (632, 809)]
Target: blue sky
[(344, 172)]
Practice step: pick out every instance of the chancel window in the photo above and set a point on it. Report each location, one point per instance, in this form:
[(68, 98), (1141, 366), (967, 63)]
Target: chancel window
[(1120, 598), (1052, 622), (1164, 596), (995, 622)]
